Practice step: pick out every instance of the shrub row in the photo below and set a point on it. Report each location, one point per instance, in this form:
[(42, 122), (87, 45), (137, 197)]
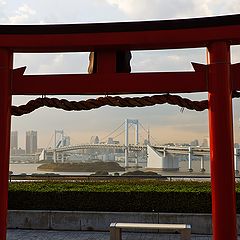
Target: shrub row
[(147, 196), (112, 201), (102, 185)]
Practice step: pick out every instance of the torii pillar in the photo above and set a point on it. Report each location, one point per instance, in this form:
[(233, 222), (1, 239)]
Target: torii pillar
[(6, 62), (221, 142)]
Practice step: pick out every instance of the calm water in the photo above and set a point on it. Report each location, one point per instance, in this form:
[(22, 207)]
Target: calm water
[(32, 168)]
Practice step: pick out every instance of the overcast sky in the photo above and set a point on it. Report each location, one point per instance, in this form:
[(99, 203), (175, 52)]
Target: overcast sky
[(166, 123)]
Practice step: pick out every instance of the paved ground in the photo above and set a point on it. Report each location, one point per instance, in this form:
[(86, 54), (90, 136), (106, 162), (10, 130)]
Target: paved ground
[(15, 234)]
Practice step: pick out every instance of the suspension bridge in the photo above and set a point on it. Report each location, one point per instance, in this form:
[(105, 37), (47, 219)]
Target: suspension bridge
[(105, 148), (139, 149)]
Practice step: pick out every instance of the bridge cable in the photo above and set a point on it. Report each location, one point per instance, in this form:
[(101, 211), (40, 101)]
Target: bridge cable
[(51, 139), (150, 135), (130, 125), (111, 132)]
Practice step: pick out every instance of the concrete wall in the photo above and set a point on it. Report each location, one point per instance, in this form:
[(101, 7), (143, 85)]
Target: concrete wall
[(157, 160), (100, 221)]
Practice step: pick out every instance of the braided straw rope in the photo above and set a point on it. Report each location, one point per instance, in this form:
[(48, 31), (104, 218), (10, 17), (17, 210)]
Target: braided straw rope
[(110, 101)]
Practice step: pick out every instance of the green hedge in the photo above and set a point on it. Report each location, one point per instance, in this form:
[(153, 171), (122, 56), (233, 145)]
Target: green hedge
[(144, 196), (111, 186)]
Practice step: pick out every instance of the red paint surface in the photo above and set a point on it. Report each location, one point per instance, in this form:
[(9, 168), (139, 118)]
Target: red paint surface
[(221, 143), (109, 83), (5, 125), (161, 39)]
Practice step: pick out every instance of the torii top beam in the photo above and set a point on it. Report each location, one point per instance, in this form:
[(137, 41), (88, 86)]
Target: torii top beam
[(107, 38), (167, 34)]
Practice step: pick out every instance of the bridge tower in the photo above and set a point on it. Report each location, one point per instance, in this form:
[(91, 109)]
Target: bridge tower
[(133, 122), (58, 138), (58, 142)]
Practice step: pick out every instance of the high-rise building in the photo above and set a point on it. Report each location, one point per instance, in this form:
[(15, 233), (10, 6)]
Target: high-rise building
[(31, 142), (205, 142), (110, 140), (14, 140), (14, 143), (66, 141), (94, 140), (145, 142), (194, 143)]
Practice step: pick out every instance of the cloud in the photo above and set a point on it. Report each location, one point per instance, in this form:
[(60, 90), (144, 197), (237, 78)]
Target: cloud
[(50, 63), (167, 60), (161, 9), (22, 15), (2, 11), (74, 11), (231, 6)]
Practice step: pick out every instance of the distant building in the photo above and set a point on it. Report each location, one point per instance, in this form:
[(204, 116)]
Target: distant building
[(205, 143), (169, 144), (14, 140), (145, 142), (236, 145), (66, 141), (60, 140), (110, 141), (94, 140), (18, 151), (31, 142), (194, 143)]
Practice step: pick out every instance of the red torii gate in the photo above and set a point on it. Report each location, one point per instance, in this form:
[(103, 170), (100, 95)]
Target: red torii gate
[(219, 78)]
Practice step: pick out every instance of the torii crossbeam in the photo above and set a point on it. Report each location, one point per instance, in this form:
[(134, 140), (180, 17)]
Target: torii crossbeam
[(219, 78)]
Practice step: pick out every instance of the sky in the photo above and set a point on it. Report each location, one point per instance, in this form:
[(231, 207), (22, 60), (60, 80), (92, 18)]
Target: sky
[(166, 123)]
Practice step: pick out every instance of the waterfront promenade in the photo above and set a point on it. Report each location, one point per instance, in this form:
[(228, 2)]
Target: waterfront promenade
[(17, 234)]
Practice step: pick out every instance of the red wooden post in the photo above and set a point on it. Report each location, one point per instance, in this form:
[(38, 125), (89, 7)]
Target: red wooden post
[(221, 143), (106, 61), (5, 125)]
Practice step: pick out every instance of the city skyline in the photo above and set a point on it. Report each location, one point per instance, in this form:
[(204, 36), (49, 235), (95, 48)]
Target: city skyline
[(31, 140), (167, 122), (30, 146)]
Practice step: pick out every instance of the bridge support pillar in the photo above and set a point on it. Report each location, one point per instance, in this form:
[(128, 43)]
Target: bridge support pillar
[(5, 127), (202, 164), (126, 156), (164, 152), (190, 159), (236, 158), (221, 142), (54, 156), (126, 143)]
